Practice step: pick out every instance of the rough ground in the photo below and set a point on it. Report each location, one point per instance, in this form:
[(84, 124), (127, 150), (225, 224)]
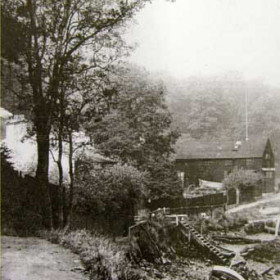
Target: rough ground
[(269, 199), (34, 258)]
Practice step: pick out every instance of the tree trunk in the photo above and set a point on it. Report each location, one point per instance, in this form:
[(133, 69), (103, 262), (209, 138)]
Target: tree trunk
[(60, 183), (42, 173), (71, 175), (237, 196), (64, 204), (60, 167)]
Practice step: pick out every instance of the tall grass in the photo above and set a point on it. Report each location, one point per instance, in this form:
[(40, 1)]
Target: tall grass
[(101, 257)]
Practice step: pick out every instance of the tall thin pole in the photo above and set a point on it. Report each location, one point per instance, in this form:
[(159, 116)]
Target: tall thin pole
[(246, 114)]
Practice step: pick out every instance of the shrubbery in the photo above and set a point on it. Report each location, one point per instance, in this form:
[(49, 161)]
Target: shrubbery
[(242, 179), (102, 258), (247, 183), (138, 131), (111, 192), (20, 213), (268, 251), (254, 228), (220, 222)]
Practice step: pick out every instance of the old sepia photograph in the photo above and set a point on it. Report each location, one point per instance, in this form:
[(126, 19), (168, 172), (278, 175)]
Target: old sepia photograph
[(140, 139)]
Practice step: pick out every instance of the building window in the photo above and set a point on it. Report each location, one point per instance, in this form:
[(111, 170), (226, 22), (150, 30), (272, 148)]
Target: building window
[(181, 176), (228, 162), (267, 156), (269, 174)]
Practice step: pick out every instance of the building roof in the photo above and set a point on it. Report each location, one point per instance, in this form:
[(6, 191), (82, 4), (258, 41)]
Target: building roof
[(226, 149), (95, 157)]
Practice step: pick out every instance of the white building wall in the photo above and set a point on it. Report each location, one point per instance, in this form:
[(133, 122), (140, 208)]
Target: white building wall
[(23, 151)]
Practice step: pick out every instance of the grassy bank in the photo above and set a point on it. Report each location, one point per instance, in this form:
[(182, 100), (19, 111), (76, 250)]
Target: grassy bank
[(101, 256), (105, 259)]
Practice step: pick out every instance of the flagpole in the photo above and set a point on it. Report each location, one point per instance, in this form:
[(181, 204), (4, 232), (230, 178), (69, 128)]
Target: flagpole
[(246, 114)]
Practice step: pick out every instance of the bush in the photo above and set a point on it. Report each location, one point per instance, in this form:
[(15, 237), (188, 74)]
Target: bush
[(254, 228), (268, 251), (248, 182), (243, 179), (220, 222), (111, 192), (102, 258), (20, 201)]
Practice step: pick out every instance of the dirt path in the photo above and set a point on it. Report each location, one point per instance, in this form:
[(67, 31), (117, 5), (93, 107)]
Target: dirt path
[(34, 259), (239, 208)]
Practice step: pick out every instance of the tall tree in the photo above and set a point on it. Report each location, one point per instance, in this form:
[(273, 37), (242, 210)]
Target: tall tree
[(63, 38), (83, 97), (137, 130)]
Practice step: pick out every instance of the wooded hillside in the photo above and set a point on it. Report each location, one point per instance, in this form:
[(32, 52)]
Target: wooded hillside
[(209, 108)]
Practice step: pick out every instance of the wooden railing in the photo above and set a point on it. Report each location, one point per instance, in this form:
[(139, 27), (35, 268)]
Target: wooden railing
[(176, 219), (183, 211)]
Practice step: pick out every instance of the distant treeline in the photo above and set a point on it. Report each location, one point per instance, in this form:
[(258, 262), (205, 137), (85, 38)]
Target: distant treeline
[(215, 108)]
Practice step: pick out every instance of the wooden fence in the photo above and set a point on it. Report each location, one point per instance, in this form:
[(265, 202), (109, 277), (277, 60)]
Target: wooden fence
[(193, 205)]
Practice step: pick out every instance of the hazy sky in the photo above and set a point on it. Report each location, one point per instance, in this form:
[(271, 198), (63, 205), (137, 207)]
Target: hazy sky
[(210, 37)]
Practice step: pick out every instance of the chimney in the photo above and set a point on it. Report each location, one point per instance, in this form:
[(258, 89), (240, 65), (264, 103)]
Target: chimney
[(237, 145)]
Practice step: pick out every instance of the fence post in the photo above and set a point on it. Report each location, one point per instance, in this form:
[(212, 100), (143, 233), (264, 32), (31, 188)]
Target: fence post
[(277, 227)]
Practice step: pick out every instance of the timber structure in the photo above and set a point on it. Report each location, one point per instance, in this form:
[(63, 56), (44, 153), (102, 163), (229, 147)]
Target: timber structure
[(215, 252)]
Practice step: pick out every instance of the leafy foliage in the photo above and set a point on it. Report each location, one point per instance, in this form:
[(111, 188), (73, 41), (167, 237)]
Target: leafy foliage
[(112, 191), (102, 258), (11, 46), (70, 45), (267, 251), (19, 201), (163, 182), (219, 222), (137, 131), (205, 108), (214, 108), (138, 126), (242, 178)]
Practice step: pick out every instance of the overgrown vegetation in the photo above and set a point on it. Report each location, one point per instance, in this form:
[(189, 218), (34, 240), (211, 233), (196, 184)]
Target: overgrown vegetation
[(106, 259), (242, 179), (111, 192), (20, 213), (213, 108), (154, 242), (68, 49), (137, 131), (219, 222), (268, 251), (247, 183), (101, 257)]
